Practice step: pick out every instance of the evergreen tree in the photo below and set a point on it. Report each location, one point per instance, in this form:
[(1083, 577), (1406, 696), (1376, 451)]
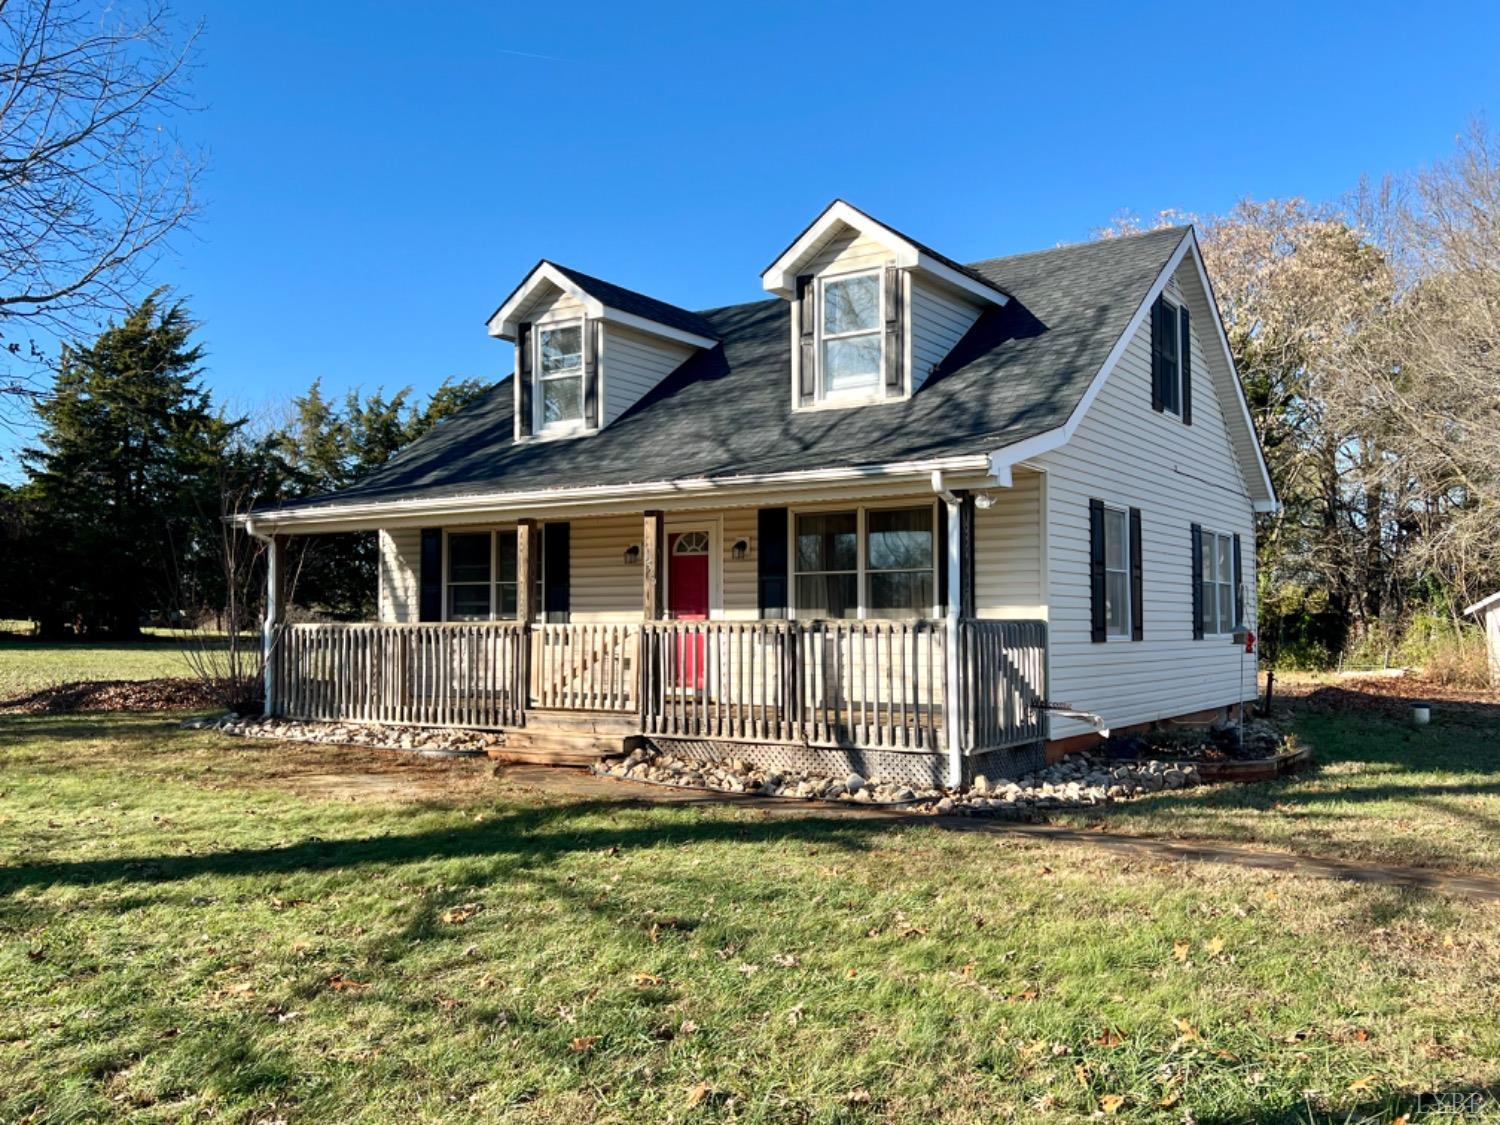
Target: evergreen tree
[(327, 446), (123, 484)]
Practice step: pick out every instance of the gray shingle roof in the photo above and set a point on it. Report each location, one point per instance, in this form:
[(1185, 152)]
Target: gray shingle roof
[(726, 412)]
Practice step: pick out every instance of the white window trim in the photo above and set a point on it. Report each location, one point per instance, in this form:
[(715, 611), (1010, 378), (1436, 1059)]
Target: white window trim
[(822, 396), (1175, 308), (1129, 591), (1217, 581), (494, 581), (861, 571), (569, 426)]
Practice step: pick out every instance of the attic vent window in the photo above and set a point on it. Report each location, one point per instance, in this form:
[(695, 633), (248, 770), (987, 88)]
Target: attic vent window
[(560, 375), (851, 335)]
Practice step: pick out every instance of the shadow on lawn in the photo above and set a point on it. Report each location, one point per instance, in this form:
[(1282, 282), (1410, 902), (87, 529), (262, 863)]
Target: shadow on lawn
[(529, 835), (1461, 1103)]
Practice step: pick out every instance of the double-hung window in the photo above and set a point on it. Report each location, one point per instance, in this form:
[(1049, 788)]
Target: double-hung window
[(560, 375), (1117, 617), (1216, 580), (481, 576), (865, 563), (851, 335)]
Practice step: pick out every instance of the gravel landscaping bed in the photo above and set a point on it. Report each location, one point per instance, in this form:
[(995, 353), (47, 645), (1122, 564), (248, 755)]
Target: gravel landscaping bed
[(442, 742), (1078, 781)]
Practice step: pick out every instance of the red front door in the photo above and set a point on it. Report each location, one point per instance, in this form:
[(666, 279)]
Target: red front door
[(687, 599)]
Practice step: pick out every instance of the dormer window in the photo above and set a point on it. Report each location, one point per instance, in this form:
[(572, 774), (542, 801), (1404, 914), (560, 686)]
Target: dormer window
[(559, 370), (850, 332)]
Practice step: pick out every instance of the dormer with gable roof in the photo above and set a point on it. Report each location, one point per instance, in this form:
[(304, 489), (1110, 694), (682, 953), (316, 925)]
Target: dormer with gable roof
[(873, 311), (588, 350)]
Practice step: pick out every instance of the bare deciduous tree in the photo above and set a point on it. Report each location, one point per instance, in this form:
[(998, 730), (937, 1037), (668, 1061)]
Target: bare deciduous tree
[(92, 179)]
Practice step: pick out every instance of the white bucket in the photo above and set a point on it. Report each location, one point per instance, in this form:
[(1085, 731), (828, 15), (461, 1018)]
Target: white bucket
[(1421, 714)]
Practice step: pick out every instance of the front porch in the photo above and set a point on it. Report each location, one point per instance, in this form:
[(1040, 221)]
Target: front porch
[(875, 628), (870, 687)]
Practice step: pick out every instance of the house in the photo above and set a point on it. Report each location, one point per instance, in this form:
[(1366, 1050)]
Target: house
[(904, 515), (1487, 612)]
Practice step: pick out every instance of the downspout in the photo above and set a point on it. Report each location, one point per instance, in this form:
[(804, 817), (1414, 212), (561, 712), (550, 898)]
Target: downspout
[(270, 688), (952, 728)]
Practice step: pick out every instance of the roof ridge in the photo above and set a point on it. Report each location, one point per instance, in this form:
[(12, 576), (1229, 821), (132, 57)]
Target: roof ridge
[(1180, 229)]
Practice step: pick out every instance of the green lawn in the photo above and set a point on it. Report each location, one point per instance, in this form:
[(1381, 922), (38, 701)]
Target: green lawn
[(192, 926), (27, 665), (1382, 791)]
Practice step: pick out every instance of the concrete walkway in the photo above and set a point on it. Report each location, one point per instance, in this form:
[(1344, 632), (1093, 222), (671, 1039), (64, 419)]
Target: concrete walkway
[(586, 786)]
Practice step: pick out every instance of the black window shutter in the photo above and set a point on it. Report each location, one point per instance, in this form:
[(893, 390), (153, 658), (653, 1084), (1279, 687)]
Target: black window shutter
[(1185, 360), (1239, 585), (771, 561), (1137, 580), (1097, 632), (591, 372), (1197, 582), (894, 343), (556, 569), (430, 581), (1158, 364), (942, 557), (807, 315), (523, 381)]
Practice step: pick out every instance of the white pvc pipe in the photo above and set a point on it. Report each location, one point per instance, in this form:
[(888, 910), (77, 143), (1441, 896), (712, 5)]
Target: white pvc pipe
[(952, 731)]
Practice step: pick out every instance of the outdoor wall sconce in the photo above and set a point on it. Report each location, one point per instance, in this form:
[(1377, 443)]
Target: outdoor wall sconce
[(633, 555), (741, 549)]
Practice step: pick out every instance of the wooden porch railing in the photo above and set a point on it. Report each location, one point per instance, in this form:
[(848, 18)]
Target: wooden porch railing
[(867, 684), (429, 675)]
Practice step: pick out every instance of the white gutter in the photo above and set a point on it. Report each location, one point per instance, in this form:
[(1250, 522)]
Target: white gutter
[(952, 734), (664, 491)]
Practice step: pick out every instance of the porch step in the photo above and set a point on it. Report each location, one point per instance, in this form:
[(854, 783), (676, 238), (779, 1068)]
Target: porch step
[(558, 747), (582, 722)]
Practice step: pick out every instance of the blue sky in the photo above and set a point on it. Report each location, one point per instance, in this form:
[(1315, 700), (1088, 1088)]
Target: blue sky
[(382, 174)]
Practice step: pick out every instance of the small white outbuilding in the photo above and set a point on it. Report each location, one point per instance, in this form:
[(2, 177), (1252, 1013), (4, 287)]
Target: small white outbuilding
[(1487, 613)]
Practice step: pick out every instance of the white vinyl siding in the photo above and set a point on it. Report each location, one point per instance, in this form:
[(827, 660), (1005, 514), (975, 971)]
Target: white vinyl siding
[(631, 363), (1128, 455), (938, 317), (602, 585), (741, 576), (398, 566), (1008, 580), (847, 252)]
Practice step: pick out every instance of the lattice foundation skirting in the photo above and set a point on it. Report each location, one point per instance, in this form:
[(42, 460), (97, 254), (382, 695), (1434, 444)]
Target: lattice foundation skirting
[(926, 771)]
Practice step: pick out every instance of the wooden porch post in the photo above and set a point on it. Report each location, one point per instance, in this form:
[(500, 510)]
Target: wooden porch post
[(271, 628), (525, 569), (652, 572)]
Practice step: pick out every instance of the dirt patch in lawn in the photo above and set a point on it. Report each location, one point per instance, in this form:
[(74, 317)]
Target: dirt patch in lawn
[(110, 695), (335, 773), (1392, 696)]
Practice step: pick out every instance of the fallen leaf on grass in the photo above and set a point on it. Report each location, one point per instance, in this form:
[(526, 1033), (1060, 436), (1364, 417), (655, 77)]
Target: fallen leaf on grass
[(583, 1042), (1170, 1100), (1081, 1073), (646, 980), (1214, 946), (1361, 1035), (1186, 1030), (785, 960), (698, 1093), (1180, 950), (1017, 997), (1360, 1085), (794, 1017), (340, 983), (1110, 1038), (1111, 1103), (458, 915), (857, 1096)]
